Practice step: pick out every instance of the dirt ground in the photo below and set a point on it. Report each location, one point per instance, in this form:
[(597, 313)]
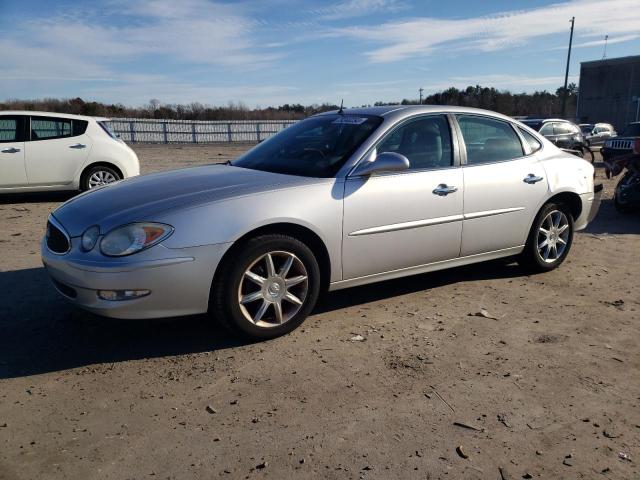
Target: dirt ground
[(549, 387)]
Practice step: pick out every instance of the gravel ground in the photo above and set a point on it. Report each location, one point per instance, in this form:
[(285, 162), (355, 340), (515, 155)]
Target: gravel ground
[(548, 387)]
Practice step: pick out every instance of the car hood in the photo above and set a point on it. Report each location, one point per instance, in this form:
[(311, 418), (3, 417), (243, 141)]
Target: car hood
[(142, 198)]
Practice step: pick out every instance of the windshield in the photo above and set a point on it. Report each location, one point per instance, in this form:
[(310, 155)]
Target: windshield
[(632, 130), (315, 147)]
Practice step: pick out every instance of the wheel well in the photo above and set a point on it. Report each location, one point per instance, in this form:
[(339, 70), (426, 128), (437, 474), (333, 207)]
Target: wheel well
[(101, 164), (304, 234), (570, 199)]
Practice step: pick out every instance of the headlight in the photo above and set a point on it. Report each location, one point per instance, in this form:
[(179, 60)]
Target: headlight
[(133, 238), (89, 238)]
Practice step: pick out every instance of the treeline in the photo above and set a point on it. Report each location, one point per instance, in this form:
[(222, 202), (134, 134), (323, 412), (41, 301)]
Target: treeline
[(537, 104), (542, 103)]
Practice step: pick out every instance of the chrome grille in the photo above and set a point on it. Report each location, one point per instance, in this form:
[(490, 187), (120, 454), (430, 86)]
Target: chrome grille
[(57, 239), (620, 144)]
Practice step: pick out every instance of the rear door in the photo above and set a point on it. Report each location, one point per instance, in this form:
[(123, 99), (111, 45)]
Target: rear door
[(56, 150), (13, 172), (503, 185)]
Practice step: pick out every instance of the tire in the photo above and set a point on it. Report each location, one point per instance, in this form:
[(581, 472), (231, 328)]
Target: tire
[(533, 256), (98, 175), (245, 275), (622, 207)]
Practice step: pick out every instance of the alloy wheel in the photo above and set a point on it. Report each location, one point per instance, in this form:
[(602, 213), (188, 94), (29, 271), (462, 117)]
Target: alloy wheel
[(273, 289), (553, 236), (101, 177)]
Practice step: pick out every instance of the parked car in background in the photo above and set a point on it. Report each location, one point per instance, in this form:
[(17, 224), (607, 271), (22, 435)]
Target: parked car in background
[(622, 144), (596, 134), (563, 134), (55, 151), (337, 200)]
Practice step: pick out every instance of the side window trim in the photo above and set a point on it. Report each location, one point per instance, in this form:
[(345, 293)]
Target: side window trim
[(463, 145), (455, 150)]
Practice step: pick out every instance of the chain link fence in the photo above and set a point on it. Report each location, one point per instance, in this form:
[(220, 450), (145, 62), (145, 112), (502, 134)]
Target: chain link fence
[(133, 130)]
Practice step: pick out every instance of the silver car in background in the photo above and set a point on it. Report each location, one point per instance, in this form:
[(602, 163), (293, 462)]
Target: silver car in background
[(339, 199)]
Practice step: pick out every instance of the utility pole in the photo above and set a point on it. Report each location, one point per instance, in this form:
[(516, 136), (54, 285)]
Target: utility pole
[(604, 54), (421, 90), (566, 73)]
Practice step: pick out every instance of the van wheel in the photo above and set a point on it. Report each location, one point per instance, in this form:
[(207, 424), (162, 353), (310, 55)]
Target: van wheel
[(267, 288), (98, 176), (549, 240)]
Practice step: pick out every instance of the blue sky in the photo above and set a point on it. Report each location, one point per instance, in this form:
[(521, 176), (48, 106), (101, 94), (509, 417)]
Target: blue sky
[(286, 51)]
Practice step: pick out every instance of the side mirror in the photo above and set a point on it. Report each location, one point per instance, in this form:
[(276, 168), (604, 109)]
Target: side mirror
[(384, 162)]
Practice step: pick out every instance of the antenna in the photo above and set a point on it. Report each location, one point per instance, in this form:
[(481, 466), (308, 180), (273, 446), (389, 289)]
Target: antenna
[(604, 54), (341, 106)]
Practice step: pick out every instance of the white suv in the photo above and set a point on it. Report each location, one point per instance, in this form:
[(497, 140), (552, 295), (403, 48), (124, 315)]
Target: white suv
[(56, 151)]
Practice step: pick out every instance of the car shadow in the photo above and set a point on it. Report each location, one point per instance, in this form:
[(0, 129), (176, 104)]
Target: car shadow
[(610, 221), (37, 197), (40, 332)]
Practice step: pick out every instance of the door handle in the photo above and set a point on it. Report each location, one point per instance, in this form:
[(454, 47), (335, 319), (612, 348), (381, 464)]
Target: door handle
[(78, 146), (443, 189), (10, 150), (531, 179)]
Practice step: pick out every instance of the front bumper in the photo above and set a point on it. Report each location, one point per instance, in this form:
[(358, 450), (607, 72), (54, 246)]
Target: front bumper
[(590, 207), (179, 280)]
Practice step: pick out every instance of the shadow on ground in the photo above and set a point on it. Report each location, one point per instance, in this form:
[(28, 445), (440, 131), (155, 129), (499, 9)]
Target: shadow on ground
[(610, 221), (41, 332), (36, 197)]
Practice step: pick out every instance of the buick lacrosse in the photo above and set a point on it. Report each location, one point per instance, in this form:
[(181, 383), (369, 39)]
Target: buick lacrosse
[(339, 199)]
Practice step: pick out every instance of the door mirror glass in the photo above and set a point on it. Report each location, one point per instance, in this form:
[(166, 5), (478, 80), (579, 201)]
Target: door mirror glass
[(384, 162)]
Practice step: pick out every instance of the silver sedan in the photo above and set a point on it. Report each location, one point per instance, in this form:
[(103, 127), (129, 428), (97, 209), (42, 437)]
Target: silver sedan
[(340, 199)]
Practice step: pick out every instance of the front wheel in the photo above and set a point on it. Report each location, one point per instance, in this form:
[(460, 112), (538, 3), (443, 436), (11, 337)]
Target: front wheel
[(549, 240), (267, 287)]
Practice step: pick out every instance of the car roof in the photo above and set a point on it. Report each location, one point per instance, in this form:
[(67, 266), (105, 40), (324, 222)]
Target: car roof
[(389, 111), (545, 120), (52, 114)]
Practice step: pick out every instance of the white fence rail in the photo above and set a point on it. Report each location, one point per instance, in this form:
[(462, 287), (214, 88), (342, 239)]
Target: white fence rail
[(133, 130)]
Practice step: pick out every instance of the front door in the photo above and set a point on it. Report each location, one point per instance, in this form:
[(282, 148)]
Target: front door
[(503, 185), (55, 152), (12, 166), (400, 220)]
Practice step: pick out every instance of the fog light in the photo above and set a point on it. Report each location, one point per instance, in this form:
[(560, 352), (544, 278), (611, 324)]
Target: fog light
[(119, 295)]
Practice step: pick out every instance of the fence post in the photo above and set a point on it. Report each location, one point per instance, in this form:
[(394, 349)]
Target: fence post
[(193, 132), (164, 131), (229, 131), (258, 132), (133, 132)]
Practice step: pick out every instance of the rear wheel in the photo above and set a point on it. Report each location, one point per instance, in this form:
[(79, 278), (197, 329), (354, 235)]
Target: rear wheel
[(267, 287), (98, 176), (549, 240)]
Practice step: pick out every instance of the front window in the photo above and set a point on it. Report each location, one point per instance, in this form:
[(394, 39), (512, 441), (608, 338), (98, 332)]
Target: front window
[(426, 142), (315, 147), (631, 130), (9, 129)]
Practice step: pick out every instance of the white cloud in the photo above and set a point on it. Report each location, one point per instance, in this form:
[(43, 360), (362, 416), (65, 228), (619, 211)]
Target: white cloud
[(610, 41), (357, 8), (422, 36)]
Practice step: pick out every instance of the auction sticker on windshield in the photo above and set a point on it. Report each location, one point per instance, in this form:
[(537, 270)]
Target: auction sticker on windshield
[(349, 120)]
